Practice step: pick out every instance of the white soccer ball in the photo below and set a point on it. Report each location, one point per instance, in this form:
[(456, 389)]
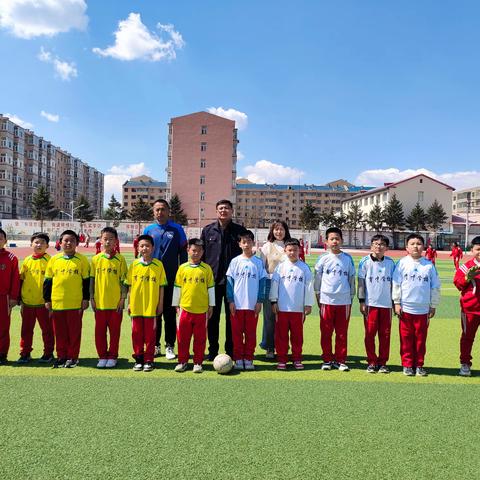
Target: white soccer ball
[(222, 363)]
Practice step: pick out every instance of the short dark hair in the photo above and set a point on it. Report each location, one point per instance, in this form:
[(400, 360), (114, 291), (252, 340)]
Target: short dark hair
[(69, 232), (2, 232), (111, 230), (162, 200), (475, 241), (333, 230), (148, 238), (292, 241), (380, 238), (40, 235), (224, 202), (275, 224), (246, 234), (415, 236), (195, 241)]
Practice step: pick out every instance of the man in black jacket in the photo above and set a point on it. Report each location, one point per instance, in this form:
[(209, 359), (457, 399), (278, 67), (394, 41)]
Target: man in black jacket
[(221, 245)]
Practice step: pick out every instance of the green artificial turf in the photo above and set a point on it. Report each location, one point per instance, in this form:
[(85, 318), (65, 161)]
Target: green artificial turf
[(85, 423)]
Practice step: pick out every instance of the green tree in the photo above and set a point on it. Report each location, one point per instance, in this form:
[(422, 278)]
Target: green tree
[(141, 212), (340, 220), (115, 212), (394, 217), (375, 218), (42, 206), (176, 211), (83, 211), (309, 218), (416, 219), (327, 218), (436, 217), (354, 220)]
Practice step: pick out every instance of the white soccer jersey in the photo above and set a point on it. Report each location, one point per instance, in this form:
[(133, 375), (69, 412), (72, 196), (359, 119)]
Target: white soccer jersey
[(416, 285), (335, 278), (246, 274), (377, 276), (292, 286)]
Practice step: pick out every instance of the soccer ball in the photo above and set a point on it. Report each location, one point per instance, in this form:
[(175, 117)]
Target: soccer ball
[(223, 363)]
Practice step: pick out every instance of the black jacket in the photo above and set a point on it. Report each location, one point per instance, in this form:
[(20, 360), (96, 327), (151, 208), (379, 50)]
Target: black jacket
[(220, 247)]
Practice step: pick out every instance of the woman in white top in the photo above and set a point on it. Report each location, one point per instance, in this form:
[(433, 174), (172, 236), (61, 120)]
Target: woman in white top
[(272, 253)]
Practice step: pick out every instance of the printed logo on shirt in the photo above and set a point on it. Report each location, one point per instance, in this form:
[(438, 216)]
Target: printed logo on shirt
[(2, 266), (337, 270), (292, 277), (169, 234)]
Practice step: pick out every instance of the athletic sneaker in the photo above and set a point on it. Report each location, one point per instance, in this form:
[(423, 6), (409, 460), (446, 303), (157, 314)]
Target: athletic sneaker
[(45, 358), (138, 367), (249, 365), (71, 363), (3, 360), (383, 369), (148, 367), (421, 372), (298, 365), (408, 371), (238, 365), (102, 363), (197, 368), (24, 359), (158, 351), (181, 367), (59, 362), (111, 362), (326, 366), (465, 370), (281, 366), (342, 367), (170, 354), (371, 369), (270, 355)]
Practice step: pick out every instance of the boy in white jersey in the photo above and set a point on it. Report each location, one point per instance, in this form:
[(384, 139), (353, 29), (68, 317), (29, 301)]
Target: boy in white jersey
[(416, 294), (335, 288), (246, 278), (291, 295), (375, 273)]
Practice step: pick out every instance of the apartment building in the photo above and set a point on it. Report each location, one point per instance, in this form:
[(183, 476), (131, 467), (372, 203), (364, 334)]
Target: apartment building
[(466, 200), (142, 187)]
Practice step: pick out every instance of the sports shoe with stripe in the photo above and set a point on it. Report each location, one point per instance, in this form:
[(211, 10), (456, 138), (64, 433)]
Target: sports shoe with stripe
[(465, 370), (181, 367), (326, 366), (421, 372)]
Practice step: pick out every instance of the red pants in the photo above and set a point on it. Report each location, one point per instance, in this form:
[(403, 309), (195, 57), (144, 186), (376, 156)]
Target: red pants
[(413, 339), (4, 325), (289, 322), (456, 262), (378, 320), (191, 324), (143, 338), (29, 316), (244, 334), (110, 320), (334, 318), (470, 323), (67, 326)]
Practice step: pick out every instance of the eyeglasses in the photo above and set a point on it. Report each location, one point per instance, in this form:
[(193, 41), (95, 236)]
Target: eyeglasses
[(376, 244)]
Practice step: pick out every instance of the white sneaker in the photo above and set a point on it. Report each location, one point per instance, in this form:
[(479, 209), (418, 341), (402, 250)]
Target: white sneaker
[(465, 370), (238, 365), (197, 368), (181, 367), (343, 368), (170, 354), (111, 362), (102, 363), (249, 365)]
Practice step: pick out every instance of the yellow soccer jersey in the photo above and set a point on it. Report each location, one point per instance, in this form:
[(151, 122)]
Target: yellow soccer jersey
[(109, 274), (67, 274), (32, 275), (145, 281), (194, 282)]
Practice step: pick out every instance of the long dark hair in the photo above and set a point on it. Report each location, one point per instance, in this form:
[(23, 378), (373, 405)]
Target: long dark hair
[(271, 236)]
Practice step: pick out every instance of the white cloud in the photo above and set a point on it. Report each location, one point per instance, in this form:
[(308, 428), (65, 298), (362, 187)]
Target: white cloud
[(51, 117), (265, 171), (18, 120), (119, 174), (458, 180), (134, 41), (240, 156), (65, 70), (34, 18), (240, 118)]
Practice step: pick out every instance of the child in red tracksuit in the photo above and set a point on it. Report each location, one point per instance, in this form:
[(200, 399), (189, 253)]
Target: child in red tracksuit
[(9, 292), (467, 280), (456, 255)]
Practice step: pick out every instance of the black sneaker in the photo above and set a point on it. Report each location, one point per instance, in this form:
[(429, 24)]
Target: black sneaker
[(3, 360), (383, 369), (71, 363), (59, 362), (138, 367), (24, 359), (46, 358), (371, 369)]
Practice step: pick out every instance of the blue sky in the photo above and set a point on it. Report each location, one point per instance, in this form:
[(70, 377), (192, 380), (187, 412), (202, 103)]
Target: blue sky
[(370, 91)]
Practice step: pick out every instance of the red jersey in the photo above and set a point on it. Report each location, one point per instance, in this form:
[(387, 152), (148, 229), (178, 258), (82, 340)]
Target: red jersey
[(9, 274), (469, 290), (431, 254), (457, 252), (98, 246)]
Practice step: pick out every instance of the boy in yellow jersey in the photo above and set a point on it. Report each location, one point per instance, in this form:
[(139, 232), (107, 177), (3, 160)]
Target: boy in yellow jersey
[(66, 291), (194, 297), (107, 295), (146, 279), (32, 275)]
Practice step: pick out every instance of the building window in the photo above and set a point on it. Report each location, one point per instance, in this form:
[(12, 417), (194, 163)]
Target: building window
[(202, 179), (203, 147), (202, 196), (420, 196), (204, 129), (203, 163)]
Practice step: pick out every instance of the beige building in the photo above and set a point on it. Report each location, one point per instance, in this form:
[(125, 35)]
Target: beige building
[(28, 161), (142, 187), (466, 200), (420, 189)]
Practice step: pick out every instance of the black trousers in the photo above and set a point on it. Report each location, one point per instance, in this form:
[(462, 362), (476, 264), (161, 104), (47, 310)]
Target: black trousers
[(169, 315), (214, 323)]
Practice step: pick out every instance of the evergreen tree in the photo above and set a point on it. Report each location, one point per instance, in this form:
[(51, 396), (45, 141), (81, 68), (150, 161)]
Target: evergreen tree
[(340, 220), (436, 217), (375, 218), (115, 211), (83, 211), (42, 206), (176, 211), (309, 218), (394, 217), (416, 219), (354, 220), (141, 212), (327, 218)]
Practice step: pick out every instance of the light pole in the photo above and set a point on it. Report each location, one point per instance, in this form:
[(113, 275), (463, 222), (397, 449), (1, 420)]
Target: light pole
[(467, 219)]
